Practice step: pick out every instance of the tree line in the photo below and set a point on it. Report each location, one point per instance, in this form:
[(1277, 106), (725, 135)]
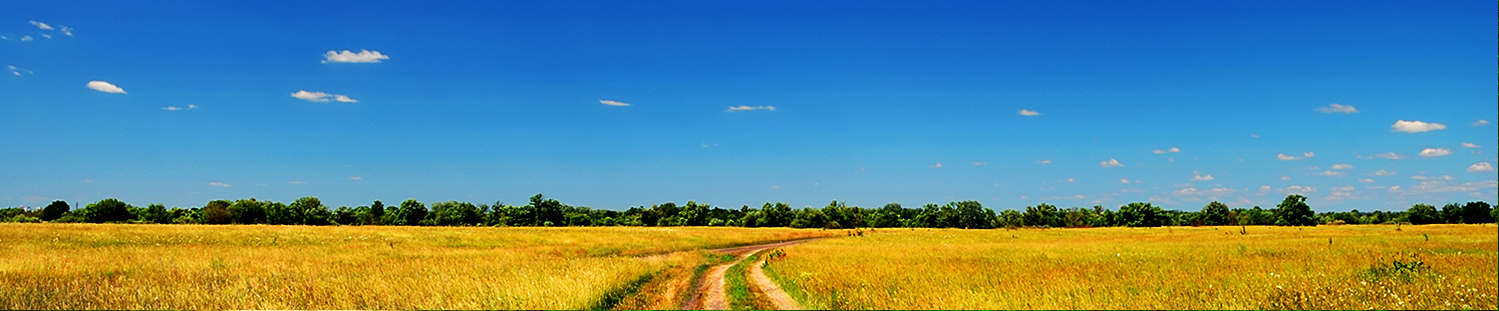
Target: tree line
[(541, 211)]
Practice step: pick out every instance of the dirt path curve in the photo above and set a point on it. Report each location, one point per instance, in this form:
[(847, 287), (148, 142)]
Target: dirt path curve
[(778, 297), (711, 292)]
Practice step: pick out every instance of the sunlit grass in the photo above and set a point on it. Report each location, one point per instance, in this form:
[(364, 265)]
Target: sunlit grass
[(86, 266), (1156, 268)]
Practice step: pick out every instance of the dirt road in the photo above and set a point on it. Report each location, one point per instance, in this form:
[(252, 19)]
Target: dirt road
[(711, 292)]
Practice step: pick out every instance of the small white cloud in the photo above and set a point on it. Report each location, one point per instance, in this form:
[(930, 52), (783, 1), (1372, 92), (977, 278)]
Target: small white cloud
[(1284, 157), (175, 108), (1047, 161), (1342, 166), (749, 108), (1254, 136), (1434, 152), (66, 30), (1202, 177), (1308, 154), (1415, 126), (938, 165), (1286, 178), (1394, 188), (1029, 113), (1333, 174), (356, 178), (322, 97), (1173, 149), (17, 71), (1336, 108), (1470, 145), (980, 163), (1298, 189), (105, 87), (364, 56), (47, 36), (1264, 188), (1123, 181), (25, 38), (1389, 156), (41, 25), (1418, 177), (1480, 122), (614, 103), (218, 184), (1481, 167), (1366, 180), (343, 98), (1110, 163), (296, 182)]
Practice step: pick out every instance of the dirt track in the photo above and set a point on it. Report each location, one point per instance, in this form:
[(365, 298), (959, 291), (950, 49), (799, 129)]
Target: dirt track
[(711, 292)]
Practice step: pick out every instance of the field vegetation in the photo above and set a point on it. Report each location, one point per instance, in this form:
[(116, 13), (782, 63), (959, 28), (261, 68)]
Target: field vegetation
[(1323, 267), (111, 266)]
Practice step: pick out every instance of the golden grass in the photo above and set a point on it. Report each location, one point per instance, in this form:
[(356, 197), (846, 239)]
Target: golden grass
[(87, 266), (1156, 268)]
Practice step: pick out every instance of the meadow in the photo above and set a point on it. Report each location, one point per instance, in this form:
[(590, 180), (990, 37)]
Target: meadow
[(105, 266), (1324, 267)]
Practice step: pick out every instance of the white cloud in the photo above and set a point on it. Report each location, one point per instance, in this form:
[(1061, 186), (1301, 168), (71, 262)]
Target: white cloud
[(47, 36), (41, 25), (1298, 189), (25, 38), (356, 178), (1308, 154), (1071, 180), (1415, 126), (1395, 188), (1336, 108), (1158, 151), (1389, 156), (296, 182), (1342, 166), (1029, 113), (322, 97), (1481, 167), (1442, 186), (1202, 177), (980, 163), (1383, 173), (1286, 178), (938, 165), (1434, 152), (1047, 161), (1418, 177), (105, 87), (1480, 122), (1470, 145), (1123, 181), (218, 184), (1254, 135), (748, 108), (17, 71), (1366, 180), (1265, 188), (1110, 163), (1284, 157), (175, 108), (364, 56), (614, 103), (1333, 174), (66, 30)]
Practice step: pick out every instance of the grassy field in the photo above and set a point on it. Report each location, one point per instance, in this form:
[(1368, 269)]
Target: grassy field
[(87, 266), (1325, 267)]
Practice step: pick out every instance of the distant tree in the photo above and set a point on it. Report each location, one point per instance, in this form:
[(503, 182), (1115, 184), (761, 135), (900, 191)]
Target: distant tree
[(1215, 214), (311, 212), (55, 210), (410, 213), (157, 214), (1042, 215), (108, 210), (1478, 212), (973, 215), (1141, 214), (248, 212), (216, 212), (1011, 219), (1293, 211), (1452, 213), (377, 211), (1421, 214)]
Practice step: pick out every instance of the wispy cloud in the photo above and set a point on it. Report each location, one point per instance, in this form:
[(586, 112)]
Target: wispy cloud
[(1333, 173), (1173, 149), (1481, 167), (1284, 157), (1285, 178), (356, 178), (938, 165), (1342, 166), (1366, 180), (41, 25), (175, 108), (322, 97), (1202, 177), (1434, 152), (1336, 108), (1123, 180), (1470, 145), (1415, 126), (25, 38), (218, 184), (296, 182), (1029, 113), (1308, 154), (1298, 189), (749, 108), (1480, 122), (614, 103), (363, 56), (1383, 173), (17, 71), (1047, 161), (1442, 186), (980, 163), (1388, 156), (106, 87), (1110, 163)]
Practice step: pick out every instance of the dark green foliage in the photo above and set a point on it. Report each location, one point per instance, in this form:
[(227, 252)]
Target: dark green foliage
[(1452, 213), (248, 212), (410, 213), (1477, 212), (1293, 211), (216, 212), (1421, 214), (108, 210), (1215, 214), (157, 214), (55, 210), (1140, 214), (1042, 215)]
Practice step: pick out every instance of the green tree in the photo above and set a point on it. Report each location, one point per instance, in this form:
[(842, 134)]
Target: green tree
[(311, 211), (1215, 214), (216, 212), (1477, 212), (1042, 215), (108, 210), (1452, 213), (248, 212), (410, 213), (1141, 214), (1293, 211), (1421, 214), (376, 212), (55, 210), (157, 214)]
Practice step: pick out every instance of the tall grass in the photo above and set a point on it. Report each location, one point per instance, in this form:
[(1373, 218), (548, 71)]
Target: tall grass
[(1327, 267), (85, 266)]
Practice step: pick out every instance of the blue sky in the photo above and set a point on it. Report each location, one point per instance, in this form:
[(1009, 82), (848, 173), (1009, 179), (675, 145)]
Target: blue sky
[(1358, 105)]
